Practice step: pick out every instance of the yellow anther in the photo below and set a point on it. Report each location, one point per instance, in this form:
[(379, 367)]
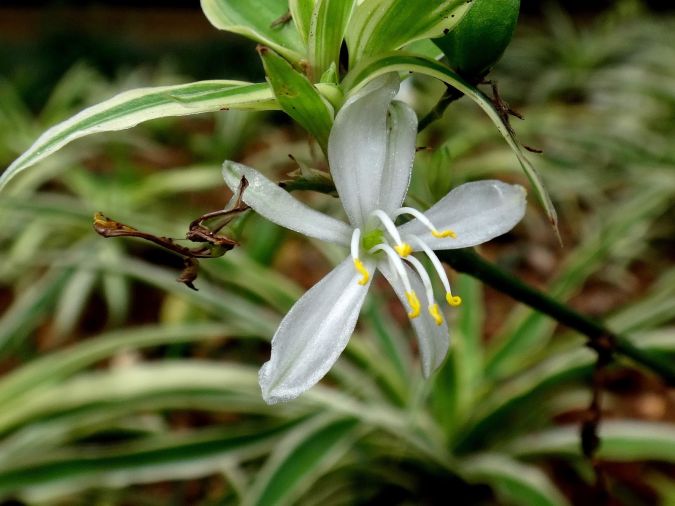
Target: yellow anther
[(404, 249), (358, 264), (455, 300), (435, 312), (414, 304), (443, 234)]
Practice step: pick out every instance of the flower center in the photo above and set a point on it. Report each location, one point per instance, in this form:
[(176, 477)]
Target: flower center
[(386, 239)]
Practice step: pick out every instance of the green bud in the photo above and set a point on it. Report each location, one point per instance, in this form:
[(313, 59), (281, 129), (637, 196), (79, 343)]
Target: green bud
[(480, 38)]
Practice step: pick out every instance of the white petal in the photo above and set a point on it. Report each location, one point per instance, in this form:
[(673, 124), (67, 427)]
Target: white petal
[(274, 203), (476, 212), (357, 147), (402, 124), (313, 334), (433, 340)]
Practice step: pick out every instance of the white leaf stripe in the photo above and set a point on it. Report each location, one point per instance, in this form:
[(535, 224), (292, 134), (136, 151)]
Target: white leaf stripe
[(133, 107)]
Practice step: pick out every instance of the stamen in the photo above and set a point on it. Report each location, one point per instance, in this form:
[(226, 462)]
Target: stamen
[(435, 313), (356, 237), (453, 300), (403, 249), (438, 266), (425, 221), (397, 266), (358, 264), (426, 281), (414, 304), (433, 308)]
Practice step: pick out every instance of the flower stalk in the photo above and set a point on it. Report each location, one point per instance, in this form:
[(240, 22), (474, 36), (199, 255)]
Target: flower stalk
[(599, 337)]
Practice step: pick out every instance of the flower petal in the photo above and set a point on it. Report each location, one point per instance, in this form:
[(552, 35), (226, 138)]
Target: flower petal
[(433, 340), (357, 147), (277, 205), (402, 123), (476, 212), (313, 334)]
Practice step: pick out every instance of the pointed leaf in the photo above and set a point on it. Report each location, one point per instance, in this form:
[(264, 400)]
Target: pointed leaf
[(620, 440), (329, 23), (383, 25), (301, 458), (298, 97), (301, 11), (130, 108), (400, 62), (520, 484), (259, 21)]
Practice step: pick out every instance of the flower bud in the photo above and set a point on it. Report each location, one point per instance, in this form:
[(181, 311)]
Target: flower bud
[(481, 37)]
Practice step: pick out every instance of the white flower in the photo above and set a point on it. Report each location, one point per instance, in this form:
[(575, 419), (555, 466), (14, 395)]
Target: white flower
[(371, 150)]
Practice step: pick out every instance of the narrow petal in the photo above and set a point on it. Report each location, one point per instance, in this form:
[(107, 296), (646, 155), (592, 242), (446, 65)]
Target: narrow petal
[(277, 205), (357, 147), (476, 212), (433, 340), (398, 165), (313, 334)]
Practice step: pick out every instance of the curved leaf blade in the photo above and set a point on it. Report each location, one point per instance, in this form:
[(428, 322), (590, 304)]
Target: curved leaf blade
[(520, 483), (328, 26), (300, 458), (620, 440), (130, 108), (401, 62), (259, 21), (301, 12), (298, 97), (383, 25)]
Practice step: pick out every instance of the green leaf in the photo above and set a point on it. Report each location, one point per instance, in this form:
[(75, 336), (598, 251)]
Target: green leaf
[(301, 11), (258, 21), (516, 482), (400, 62), (61, 364), (133, 107), (300, 458), (164, 457), (620, 440), (457, 382), (30, 307), (298, 97), (328, 26), (382, 25)]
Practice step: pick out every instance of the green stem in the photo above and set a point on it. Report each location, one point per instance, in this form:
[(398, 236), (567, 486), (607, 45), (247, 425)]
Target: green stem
[(450, 95), (599, 337)]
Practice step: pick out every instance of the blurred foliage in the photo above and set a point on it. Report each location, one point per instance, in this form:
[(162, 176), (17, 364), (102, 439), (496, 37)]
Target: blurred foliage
[(122, 386)]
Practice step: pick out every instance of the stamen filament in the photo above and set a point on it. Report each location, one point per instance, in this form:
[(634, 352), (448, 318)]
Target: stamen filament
[(453, 300), (398, 267), (433, 309), (356, 238), (403, 249), (426, 222), (358, 264), (426, 281)]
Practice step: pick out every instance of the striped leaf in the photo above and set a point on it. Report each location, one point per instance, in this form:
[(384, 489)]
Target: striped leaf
[(328, 25), (383, 25), (130, 108), (262, 22)]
